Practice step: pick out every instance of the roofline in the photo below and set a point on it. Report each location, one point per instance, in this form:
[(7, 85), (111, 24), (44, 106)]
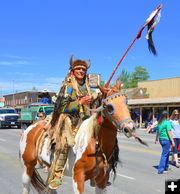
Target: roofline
[(159, 79), (26, 92), (153, 101), (7, 108)]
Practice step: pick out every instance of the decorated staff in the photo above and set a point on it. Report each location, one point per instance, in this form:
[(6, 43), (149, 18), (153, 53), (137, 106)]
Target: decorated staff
[(151, 22)]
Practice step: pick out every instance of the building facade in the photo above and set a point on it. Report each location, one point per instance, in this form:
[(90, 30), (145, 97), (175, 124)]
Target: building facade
[(23, 99), (152, 97)]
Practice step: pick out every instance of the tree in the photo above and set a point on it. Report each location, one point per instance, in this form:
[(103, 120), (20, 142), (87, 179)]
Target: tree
[(130, 80), (34, 88), (140, 74), (125, 78), (102, 83)]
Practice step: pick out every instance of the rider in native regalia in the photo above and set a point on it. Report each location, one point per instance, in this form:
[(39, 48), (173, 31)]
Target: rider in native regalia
[(71, 108)]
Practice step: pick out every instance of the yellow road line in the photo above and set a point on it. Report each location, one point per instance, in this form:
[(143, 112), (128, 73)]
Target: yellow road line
[(2, 139), (10, 160), (5, 156), (140, 149)]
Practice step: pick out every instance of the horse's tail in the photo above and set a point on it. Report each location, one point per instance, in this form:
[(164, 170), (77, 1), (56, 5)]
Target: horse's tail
[(38, 183)]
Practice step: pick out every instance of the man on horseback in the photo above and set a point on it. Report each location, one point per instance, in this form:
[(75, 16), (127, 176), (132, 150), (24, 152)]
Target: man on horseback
[(72, 106)]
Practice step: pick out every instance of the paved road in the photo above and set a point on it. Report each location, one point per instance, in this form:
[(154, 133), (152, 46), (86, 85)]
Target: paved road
[(137, 173)]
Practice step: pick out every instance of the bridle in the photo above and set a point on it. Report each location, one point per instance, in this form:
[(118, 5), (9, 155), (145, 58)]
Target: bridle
[(110, 113)]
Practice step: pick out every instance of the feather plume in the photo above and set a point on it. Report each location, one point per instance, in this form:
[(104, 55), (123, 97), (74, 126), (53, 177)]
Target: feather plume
[(151, 26), (151, 23), (140, 141)]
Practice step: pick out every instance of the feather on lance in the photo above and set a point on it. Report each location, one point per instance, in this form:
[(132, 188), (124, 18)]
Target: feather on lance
[(151, 23)]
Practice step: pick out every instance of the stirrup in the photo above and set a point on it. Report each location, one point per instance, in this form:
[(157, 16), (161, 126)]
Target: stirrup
[(54, 184)]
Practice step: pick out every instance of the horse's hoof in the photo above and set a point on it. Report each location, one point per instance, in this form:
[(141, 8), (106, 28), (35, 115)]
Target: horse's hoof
[(108, 184)]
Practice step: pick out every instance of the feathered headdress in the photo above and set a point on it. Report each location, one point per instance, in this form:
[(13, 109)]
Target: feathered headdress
[(78, 63)]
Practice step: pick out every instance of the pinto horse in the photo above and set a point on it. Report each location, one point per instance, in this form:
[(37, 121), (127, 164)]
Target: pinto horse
[(95, 153)]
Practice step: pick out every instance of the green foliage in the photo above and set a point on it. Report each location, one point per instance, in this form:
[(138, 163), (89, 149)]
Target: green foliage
[(34, 88), (125, 78), (102, 83), (131, 80)]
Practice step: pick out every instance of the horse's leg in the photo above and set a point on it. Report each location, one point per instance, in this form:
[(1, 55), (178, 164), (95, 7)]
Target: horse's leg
[(99, 191), (101, 181), (100, 185), (78, 182), (26, 178)]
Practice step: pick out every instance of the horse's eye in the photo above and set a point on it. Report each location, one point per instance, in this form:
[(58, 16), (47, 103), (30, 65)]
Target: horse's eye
[(110, 108)]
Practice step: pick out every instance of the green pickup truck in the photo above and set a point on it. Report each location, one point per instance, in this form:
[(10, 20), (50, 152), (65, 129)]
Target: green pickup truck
[(30, 114)]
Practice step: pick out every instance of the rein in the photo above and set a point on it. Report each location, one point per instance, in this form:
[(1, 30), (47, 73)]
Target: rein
[(101, 153)]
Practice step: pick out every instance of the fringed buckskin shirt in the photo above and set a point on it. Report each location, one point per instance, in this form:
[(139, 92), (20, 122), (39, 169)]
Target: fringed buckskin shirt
[(73, 92)]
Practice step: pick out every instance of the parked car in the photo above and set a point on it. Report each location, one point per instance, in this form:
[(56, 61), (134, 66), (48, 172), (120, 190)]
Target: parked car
[(9, 117)]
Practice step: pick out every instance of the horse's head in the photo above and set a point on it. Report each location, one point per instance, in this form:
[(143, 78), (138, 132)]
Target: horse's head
[(116, 109)]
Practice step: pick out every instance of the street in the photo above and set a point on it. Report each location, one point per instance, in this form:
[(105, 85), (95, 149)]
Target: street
[(136, 174)]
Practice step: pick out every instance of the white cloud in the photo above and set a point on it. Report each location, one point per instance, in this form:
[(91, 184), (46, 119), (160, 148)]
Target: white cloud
[(12, 56), (22, 73), (54, 80), (22, 62), (5, 63), (13, 63)]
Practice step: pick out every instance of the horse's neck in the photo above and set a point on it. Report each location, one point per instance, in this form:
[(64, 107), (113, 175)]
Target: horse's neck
[(107, 137)]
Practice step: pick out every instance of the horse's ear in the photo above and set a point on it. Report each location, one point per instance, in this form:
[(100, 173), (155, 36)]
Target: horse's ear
[(103, 90), (118, 84)]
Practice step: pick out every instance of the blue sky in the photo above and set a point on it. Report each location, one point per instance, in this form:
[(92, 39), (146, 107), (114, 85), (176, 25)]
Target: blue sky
[(37, 38)]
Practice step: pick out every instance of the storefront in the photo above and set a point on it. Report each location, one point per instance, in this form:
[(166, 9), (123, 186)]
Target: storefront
[(146, 109), (151, 97)]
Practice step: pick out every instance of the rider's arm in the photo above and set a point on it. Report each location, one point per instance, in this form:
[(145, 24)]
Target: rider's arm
[(70, 102)]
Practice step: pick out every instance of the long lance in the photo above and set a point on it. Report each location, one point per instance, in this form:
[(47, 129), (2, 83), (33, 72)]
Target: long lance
[(151, 24)]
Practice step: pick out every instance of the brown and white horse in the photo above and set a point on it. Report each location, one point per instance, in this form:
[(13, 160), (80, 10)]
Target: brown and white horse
[(95, 153)]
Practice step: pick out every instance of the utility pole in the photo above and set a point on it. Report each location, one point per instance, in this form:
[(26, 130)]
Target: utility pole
[(0, 92), (13, 96)]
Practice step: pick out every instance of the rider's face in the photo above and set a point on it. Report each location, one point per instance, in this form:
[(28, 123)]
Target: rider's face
[(79, 73)]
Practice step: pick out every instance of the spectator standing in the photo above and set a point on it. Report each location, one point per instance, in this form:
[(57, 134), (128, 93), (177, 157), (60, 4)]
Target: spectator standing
[(165, 139), (175, 122)]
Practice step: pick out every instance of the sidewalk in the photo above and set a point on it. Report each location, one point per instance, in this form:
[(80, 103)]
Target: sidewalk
[(141, 129)]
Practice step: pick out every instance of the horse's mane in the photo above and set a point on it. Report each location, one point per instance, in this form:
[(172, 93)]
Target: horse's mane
[(88, 128)]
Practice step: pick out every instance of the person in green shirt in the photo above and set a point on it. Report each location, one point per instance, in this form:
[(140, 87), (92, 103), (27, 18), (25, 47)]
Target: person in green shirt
[(165, 139)]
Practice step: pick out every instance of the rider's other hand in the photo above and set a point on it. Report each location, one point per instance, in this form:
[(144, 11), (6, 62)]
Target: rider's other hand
[(85, 100)]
